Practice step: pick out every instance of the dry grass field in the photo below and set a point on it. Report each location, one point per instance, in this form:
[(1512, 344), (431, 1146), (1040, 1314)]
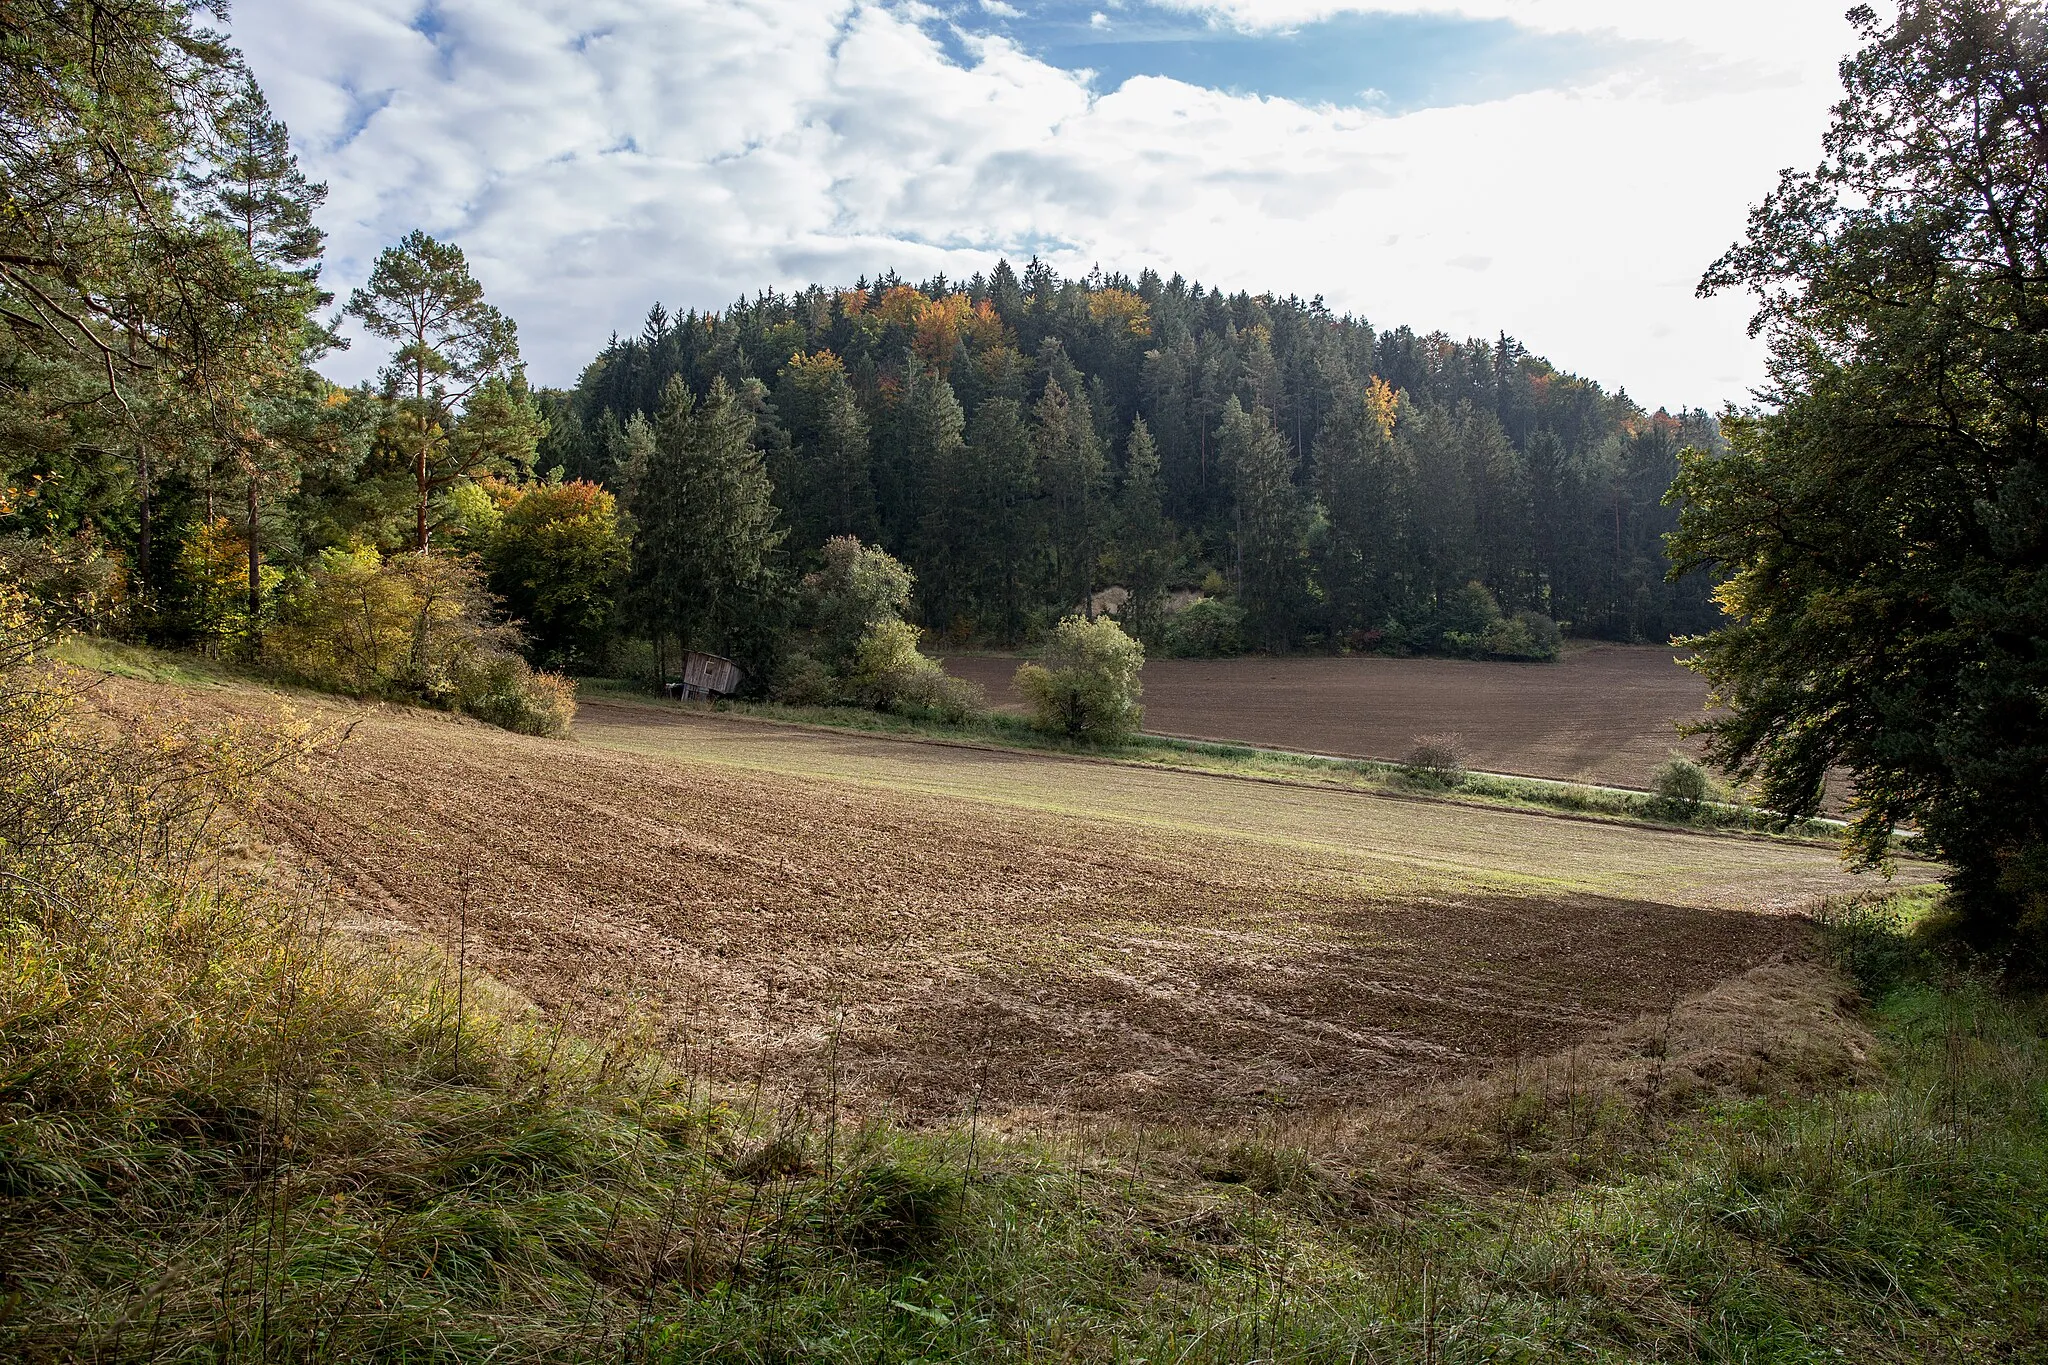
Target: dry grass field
[(934, 929), (1602, 713)]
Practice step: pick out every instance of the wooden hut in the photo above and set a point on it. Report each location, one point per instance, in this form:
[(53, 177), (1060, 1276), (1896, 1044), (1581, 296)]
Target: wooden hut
[(706, 676)]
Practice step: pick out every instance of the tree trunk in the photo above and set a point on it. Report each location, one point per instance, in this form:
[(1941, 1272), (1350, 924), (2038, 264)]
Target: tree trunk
[(142, 541), (419, 394), (255, 559), (420, 470)]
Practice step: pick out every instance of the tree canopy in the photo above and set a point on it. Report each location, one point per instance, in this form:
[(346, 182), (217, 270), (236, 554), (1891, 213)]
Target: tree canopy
[(984, 430), (1883, 529)]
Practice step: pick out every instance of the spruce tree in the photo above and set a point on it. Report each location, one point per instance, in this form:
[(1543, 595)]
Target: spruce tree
[(830, 488), (1357, 481), (706, 527), (1271, 524), (1070, 471), (1144, 548), (1004, 511)]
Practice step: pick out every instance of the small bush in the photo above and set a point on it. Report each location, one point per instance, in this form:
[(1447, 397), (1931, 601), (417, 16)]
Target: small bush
[(1682, 786), (806, 682), (1205, 629), (1438, 760), (503, 689), (1474, 627), (888, 673), (1087, 686)]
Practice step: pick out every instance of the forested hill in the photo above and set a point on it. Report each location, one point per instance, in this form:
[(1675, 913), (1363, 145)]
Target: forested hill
[(1343, 485)]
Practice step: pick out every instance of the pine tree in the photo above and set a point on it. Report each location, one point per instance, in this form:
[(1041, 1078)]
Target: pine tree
[(252, 187), (450, 345)]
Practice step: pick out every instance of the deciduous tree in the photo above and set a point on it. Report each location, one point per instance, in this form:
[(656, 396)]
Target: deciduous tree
[(1882, 531)]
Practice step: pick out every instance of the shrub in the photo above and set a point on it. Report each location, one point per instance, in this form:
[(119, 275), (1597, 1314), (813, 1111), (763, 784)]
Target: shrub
[(1205, 629), (806, 682), (1473, 626), (858, 650), (1087, 687), (860, 587), (413, 627), (1438, 760), (502, 688), (888, 672), (76, 579), (1682, 785)]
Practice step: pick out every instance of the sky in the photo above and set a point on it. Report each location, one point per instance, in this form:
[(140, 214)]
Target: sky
[(1561, 170)]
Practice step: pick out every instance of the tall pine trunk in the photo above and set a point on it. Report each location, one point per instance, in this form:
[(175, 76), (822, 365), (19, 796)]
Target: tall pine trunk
[(420, 471), (255, 559), (142, 540)]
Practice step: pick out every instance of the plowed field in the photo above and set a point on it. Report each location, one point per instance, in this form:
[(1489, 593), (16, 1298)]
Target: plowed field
[(933, 928), (1602, 713)]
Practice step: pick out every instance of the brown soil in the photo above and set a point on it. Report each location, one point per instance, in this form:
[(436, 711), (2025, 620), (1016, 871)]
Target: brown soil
[(928, 953), (1602, 713)]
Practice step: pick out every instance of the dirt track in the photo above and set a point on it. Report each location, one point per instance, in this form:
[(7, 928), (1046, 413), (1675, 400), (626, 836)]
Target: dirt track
[(1074, 939), (1603, 713)]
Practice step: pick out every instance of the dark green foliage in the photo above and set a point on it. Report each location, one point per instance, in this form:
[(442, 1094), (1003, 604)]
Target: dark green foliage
[(1884, 532), (1142, 560), (1393, 469), (706, 530), (1208, 628), (1070, 475), (1270, 533), (831, 493)]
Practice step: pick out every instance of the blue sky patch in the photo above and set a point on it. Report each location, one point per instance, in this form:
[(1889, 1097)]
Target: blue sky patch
[(1396, 62)]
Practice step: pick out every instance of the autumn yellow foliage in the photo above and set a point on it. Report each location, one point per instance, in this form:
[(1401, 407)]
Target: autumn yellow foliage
[(1122, 311)]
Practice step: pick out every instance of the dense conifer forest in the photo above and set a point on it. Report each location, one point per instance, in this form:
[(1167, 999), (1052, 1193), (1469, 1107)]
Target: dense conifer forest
[(1026, 442)]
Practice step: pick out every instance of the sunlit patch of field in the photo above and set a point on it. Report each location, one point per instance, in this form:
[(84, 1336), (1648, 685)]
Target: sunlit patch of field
[(1387, 842)]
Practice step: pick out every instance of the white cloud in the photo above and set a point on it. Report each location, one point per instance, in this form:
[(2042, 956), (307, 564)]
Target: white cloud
[(1001, 10), (592, 157)]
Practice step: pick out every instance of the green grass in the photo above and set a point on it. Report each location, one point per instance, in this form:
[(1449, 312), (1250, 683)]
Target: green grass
[(144, 663), (1003, 730)]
